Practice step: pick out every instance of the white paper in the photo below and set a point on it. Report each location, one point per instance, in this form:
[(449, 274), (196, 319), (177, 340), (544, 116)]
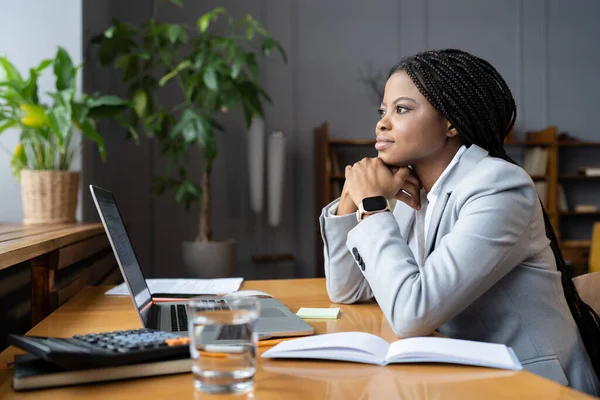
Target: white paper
[(185, 286), (451, 350)]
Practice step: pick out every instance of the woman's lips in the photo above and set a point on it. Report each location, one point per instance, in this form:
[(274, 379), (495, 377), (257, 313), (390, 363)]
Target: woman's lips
[(383, 143)]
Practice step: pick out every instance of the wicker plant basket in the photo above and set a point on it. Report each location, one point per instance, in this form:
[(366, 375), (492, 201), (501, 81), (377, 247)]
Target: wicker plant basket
[(49, 197)]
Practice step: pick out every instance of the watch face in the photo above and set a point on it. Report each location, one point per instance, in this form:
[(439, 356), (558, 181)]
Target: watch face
[(376, 203)]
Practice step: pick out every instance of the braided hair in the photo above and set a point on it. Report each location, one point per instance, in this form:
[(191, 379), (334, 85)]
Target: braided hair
[(473, 97)]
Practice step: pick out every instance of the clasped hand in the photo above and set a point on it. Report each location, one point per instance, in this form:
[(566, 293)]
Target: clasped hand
[(372, 177)]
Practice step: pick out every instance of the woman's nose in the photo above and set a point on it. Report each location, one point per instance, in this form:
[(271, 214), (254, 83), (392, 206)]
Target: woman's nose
[(383, 125)]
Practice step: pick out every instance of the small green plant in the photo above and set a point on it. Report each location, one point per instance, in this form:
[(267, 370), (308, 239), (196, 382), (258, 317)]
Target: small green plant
[(47, 130), (214, 70)]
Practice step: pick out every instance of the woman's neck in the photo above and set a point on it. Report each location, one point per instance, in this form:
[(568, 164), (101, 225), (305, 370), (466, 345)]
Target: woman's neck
[(428, 171)]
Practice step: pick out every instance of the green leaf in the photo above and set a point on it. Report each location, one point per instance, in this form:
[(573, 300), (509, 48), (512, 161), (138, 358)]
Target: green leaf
[(80, 113), (259, 28), (175, 32), (252, 65), (30, 91), (205, 20), (186, 118), (7, 125), (178, 3), (210, 78), (106, 106), (249, 33), (131, 132), (122, 61), (140, 101), (180, 194), (207, 141), (110, 32), (64, 70), (9, 72), (18, 161), (88, 130), (267, 47), (109, 100), (60, 123), (43, 65), (237, 67), (182, 66)]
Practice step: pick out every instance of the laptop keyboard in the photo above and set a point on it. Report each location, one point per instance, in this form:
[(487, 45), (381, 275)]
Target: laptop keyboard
[(179, 320), (217, 304), (233, 332)]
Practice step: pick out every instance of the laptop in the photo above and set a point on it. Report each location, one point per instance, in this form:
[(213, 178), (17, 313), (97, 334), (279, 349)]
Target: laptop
[(275, 319)]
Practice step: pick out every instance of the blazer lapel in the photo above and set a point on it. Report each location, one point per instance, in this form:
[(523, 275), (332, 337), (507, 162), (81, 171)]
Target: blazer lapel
[(465, 164), (434, 224), (405, 216)]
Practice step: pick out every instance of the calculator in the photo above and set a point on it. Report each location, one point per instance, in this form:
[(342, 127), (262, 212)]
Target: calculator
[(106, 348)]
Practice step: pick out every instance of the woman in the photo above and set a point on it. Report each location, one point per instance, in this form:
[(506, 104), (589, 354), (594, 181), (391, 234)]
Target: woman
[(468, 249)]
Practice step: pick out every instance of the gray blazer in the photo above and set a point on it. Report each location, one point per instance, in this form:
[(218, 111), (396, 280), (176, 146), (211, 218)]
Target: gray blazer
[(488, 274)]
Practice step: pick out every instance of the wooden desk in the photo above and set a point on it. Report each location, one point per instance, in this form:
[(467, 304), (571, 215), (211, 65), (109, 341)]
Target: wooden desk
[(90, 311), (52, 249)]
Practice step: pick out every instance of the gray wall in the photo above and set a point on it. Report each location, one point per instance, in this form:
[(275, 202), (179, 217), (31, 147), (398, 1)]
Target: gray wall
[(548, 52), (30, 30)]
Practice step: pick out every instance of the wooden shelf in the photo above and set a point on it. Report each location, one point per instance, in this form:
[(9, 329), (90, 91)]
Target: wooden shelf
[(351, 142), (578, 144), (527, 143), (576, 213), (576, 244), (576, 177)]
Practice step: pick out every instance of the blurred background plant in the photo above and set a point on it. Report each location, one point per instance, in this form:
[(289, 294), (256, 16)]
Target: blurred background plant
[(48, 139), (213, 67)]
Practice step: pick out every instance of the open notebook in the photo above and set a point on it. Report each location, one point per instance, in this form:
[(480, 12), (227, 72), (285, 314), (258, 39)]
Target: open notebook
[(367, 348)]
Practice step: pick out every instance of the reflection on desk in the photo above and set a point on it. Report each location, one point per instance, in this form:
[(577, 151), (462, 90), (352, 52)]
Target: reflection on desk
[(349, 380)]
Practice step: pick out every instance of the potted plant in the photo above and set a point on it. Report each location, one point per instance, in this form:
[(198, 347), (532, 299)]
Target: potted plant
[(47, 143), (214, 70)]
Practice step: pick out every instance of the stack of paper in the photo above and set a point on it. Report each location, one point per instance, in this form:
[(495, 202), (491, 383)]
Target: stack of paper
[(185, 286)]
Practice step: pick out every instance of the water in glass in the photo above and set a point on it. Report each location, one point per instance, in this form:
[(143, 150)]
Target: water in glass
[(223, 346)]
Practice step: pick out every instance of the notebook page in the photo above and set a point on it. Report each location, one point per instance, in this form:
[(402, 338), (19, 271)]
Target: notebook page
[(359, 342), (451, 350)]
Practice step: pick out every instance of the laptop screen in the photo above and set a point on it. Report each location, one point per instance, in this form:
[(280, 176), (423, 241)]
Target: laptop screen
[(124, 253)]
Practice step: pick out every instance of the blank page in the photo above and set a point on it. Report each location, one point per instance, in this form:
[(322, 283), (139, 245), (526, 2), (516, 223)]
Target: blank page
[(358, 341), (452, 350)]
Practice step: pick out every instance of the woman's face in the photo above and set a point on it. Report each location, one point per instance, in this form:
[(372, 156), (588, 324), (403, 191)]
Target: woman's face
[(410, 130)]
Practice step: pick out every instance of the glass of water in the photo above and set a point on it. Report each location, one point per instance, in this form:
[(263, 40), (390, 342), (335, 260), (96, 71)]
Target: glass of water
[(223, 342)]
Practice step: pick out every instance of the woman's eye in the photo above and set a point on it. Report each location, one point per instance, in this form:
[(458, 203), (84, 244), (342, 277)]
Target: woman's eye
[(381, 111), (402, 109)]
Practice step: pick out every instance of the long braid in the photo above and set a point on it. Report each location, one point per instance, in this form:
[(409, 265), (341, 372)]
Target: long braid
[(470, 93)]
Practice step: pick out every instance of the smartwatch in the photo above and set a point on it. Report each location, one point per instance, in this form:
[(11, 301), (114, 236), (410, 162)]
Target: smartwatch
[(372, 205)]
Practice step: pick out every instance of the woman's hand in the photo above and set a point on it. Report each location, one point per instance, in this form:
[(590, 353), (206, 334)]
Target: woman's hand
[(410, 192), (371, 177), (346, 205)]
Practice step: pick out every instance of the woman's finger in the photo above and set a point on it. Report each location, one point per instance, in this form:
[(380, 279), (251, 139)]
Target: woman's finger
[(408, 200), (414, 180), (412, 189)]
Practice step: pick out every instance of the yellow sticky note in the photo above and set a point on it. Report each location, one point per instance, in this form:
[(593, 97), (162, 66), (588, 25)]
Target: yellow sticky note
[(326, 313)]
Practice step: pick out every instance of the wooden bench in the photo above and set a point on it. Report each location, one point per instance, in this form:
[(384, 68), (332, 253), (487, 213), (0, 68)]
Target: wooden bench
[(63, 259)]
